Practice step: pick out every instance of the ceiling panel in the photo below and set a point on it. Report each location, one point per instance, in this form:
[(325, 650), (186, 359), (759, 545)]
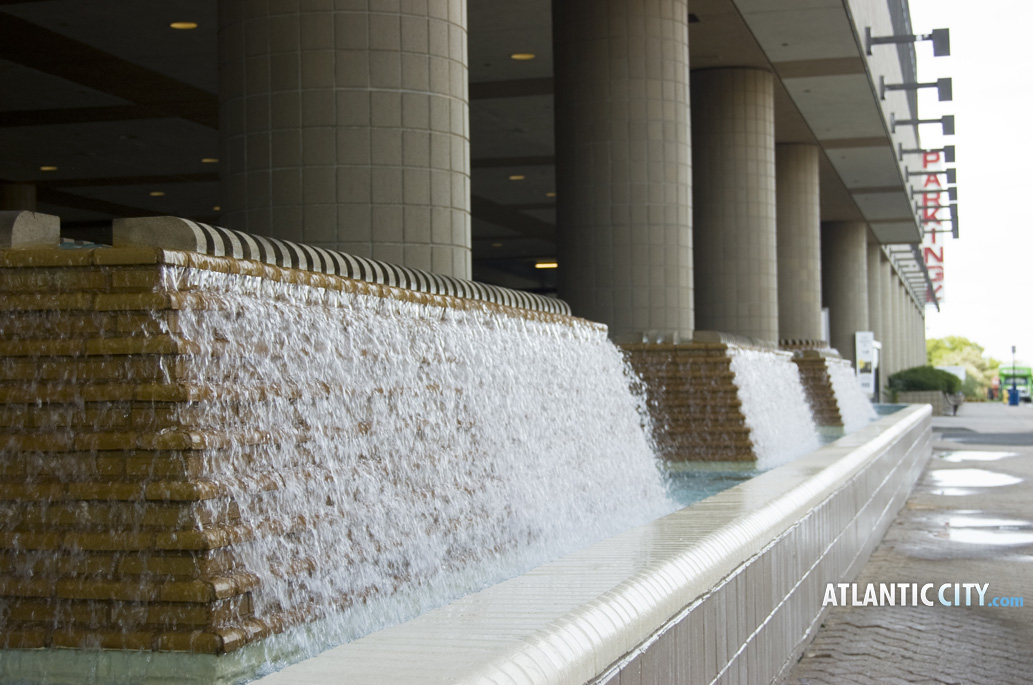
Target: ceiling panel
[(801, 34), (895, 232), (837, 106), (138, 32), (25, 88), (866, 167), (106, 149), (881, 206)]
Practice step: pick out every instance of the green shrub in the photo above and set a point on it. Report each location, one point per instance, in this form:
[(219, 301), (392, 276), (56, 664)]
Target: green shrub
[(919, 378)]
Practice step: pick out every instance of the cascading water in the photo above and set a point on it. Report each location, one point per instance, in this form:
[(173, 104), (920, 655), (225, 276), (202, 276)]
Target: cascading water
[(775, 407), (382, 445), (854, 408)]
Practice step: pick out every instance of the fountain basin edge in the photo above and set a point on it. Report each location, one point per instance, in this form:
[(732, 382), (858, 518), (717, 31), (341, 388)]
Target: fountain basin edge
[(726, 588)]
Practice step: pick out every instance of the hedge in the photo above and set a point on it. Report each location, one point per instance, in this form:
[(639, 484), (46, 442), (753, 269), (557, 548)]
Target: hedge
[(919, 378)]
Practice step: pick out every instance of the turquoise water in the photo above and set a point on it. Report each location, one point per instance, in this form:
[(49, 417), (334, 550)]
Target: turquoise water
[(697, 482)]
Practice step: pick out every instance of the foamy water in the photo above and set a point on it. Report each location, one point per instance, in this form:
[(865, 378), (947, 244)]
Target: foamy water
[(775, 407), (854, 408), (392, 449)]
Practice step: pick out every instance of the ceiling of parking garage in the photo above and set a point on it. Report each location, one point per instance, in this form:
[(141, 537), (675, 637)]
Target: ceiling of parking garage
[(125, 108)]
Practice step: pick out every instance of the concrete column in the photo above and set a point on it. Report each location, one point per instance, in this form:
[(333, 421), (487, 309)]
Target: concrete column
[(16, 197), (875, 323), (886, 292), (844, 281), (919, 328), (348, 128), (624, 165), (905, 326), (909, 337), (798, 212), (899, 346), (733, 155)]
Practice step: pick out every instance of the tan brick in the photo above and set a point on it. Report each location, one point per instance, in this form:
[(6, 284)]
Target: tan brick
[(20, 369), (104, 491), (65, 466), (24, 638), (19, 259), (183, 565), (105, 639), (41, 348), (176, 466), (196, 641), (123, 256), (109, 540), (101, 392), (31, 491), (46, 611), (158, 344), (47, 301), (191, 540), (146, 323), (110, 465), (28, 611), (42, 442), (109, 302), (184, 516), (132, 279), (105, 441), (133, 590), (170, 392), (12, 586), (178, 491), (80, 564), (187, 591)]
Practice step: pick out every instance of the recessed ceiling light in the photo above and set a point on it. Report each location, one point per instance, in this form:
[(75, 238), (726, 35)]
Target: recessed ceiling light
[(522, 56), (496, 244), (546, 265), (209, 160), (183, 25), (48, 168), (551, 193), (157, 193), (516, 177), (216, 208)]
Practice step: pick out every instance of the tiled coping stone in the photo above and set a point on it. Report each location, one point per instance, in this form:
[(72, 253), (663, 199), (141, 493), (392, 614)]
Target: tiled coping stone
[(728, 589)]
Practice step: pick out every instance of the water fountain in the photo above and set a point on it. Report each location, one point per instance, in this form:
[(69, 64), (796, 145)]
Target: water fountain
[(193, 442)]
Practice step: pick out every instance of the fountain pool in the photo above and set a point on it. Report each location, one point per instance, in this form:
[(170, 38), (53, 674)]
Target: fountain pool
[(249, 463)]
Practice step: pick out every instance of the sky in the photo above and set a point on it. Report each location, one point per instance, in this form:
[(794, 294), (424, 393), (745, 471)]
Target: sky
[(988, 272)]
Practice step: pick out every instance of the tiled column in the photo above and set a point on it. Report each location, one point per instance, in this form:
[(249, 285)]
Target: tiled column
[(844, 281), (346, 125), (624, 165), (909, 327), (920, 333), (875, 322), (899, 351), (18, 197), (905, 335), (733, 156), (799, 242), (917, 334), (886, 294)]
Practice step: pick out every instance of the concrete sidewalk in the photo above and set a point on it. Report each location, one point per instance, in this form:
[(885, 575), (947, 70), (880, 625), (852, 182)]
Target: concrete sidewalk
[(969, 520)]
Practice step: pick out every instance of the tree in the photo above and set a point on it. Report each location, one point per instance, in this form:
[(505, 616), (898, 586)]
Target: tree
[(957, 351)]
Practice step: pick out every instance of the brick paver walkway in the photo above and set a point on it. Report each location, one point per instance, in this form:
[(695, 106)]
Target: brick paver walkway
[(970, 519)]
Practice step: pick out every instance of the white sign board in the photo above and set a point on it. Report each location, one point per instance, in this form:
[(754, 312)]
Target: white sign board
[(864, 343)]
